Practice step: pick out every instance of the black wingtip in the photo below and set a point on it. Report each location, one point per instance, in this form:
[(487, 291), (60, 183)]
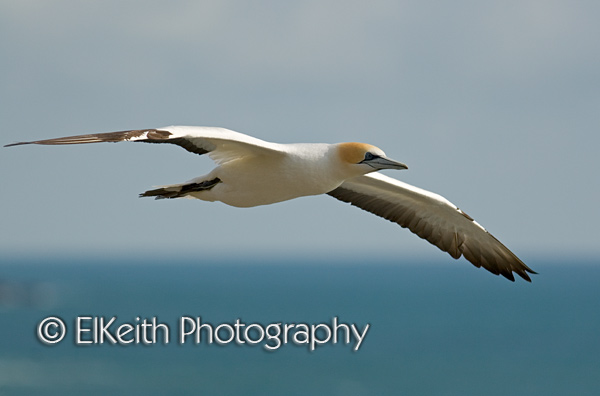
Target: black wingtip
[(508, 276), (17, 144), (525, 276)]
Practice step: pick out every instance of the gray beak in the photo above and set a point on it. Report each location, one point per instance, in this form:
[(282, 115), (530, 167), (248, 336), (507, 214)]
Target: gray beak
[(384, 163)]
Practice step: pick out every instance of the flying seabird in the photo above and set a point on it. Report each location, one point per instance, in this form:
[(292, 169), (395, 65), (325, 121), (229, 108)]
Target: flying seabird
[(252, 172)]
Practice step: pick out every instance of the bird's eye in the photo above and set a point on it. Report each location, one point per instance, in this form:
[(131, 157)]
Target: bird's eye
[(370, 156)]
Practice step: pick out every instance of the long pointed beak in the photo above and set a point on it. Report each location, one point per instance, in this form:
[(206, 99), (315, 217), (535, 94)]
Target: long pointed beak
[(384, 163)]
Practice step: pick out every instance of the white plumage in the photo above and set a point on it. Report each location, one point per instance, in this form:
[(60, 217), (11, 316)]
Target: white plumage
[(252, 172)]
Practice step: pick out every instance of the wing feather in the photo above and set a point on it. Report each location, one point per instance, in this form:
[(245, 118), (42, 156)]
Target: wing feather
[(221, 144), (434, 218)]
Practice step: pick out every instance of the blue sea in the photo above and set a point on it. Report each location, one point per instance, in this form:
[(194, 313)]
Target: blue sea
[(435, 328)]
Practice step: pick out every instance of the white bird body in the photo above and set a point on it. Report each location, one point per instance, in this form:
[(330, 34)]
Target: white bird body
[(252, 172), (273, 176)]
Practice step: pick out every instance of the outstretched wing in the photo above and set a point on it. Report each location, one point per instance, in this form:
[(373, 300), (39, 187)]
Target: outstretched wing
[(434, 218), (221, 144)]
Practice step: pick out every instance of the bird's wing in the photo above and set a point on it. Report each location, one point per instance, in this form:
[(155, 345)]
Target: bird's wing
[(434, 218), (221, 144)]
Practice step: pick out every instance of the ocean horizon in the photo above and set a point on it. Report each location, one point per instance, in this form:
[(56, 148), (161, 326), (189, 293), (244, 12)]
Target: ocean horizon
[(435, 327)]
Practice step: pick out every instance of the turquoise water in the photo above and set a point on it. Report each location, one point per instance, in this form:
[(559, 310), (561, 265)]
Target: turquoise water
[(435, 328)]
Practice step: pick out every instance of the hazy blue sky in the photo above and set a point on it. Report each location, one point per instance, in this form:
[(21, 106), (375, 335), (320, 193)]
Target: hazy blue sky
[(495, 105)]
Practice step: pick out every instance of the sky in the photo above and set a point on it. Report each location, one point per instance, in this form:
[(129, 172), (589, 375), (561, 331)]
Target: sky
[(494, 105)]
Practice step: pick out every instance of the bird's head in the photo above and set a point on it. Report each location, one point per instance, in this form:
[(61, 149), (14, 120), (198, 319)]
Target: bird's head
[(364, 158)]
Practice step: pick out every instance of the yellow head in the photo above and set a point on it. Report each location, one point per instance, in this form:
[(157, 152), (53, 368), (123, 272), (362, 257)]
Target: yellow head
[(368, 157)]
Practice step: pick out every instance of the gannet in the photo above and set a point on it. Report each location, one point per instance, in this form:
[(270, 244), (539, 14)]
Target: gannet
[(252, 172)]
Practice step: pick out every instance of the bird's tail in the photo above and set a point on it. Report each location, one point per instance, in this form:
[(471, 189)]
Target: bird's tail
[(180, 190)]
